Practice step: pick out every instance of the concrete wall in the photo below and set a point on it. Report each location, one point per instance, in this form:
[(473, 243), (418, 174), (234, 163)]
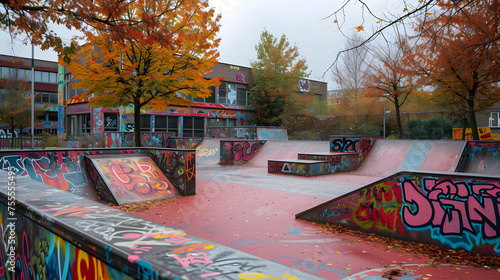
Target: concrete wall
[(63, 168), (451, 210)]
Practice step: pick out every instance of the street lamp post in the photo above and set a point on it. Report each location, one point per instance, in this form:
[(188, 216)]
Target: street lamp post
[(32, 95)]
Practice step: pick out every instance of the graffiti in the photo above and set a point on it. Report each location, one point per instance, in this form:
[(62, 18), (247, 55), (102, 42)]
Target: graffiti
[(129, 126), (272, 134), (378, 206), (304, 85), (183, 142), (97, 122), (245, 151), (460, 211), (299, 168), (133, 177), (193, 258), (61, 170), (179, 167), (308, 266), (9, 133), (344, 145), (206, 152), (158, 140), (275, 166), (337, 210), (366, 145), (240, 78)]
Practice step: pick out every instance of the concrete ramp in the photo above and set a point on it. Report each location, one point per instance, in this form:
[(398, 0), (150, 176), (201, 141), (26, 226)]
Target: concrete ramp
[(482, 157), (389, 156), (127, 178), (452, 210)]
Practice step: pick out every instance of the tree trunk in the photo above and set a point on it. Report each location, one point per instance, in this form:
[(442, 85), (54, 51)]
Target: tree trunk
[(464, 127), (472, 116), (137, 124), (398, 118)]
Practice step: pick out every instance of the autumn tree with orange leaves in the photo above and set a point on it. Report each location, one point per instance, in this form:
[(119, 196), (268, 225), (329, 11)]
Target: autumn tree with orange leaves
[(390, 78), (457, 53), (152, 64)]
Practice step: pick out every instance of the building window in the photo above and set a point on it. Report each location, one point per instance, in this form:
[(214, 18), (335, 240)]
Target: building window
[(495, 119), (193, 127), (46, 97), (110, 121), (166, 124), (218, 122), (210, 99), (146, 123), (79, 125), (68, 90), (232, 93)]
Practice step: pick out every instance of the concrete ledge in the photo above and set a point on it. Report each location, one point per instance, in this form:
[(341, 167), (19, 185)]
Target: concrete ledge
[(298, 167), (337, 162)]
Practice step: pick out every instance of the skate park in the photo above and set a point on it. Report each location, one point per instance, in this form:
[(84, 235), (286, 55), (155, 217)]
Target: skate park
[(243, 209)]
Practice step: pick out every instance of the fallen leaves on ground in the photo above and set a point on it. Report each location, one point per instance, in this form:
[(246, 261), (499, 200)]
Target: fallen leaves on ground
[(142, 206), (438, 255)]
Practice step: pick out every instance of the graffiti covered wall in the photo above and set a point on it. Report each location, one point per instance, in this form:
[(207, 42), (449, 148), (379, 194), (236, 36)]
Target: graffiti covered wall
[(183, 142), (232, 132), (64, 169), (450, 211), (236, 152), (51, 235), (351, 144), (276, 133)]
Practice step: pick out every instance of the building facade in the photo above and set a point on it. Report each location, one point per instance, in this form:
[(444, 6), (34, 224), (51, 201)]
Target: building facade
[(230, 105), (45, 89)]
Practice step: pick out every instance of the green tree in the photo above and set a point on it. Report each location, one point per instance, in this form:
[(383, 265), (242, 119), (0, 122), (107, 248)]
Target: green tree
[(151, 65), (277, 73)]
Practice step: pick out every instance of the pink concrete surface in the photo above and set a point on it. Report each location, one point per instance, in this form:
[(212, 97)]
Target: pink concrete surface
[(262, 222)]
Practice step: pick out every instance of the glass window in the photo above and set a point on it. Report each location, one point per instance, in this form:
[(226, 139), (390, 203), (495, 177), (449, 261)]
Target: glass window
[(211, 98), (45, 77), (53, 78), (173, 124), (5, 72), (193, 127), (52, 116), (160, 123), (38, 97), (27, 73), (110, 121), (145, 123), (241, 95), (38, 76), (53, 98), (223, 93), (45, 97), (216, 122)]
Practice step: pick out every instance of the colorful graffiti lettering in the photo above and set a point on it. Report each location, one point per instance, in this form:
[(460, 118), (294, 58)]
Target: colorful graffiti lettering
[(275, 166), (132, 177), (378, 206), (257, 276), (337, 210), (345, 145), (244, 151), (459, 211)]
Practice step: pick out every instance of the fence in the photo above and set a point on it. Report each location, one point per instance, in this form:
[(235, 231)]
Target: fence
[(21, 142)]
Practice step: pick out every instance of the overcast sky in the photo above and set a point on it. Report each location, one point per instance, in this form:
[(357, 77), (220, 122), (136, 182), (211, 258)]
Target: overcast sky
[(243, 21)]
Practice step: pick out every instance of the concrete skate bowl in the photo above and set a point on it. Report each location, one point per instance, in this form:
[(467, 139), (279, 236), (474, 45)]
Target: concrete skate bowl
[(450, 210)]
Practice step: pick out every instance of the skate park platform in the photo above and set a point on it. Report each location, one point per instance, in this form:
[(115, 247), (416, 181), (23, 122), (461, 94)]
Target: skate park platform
[(248, 215)]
